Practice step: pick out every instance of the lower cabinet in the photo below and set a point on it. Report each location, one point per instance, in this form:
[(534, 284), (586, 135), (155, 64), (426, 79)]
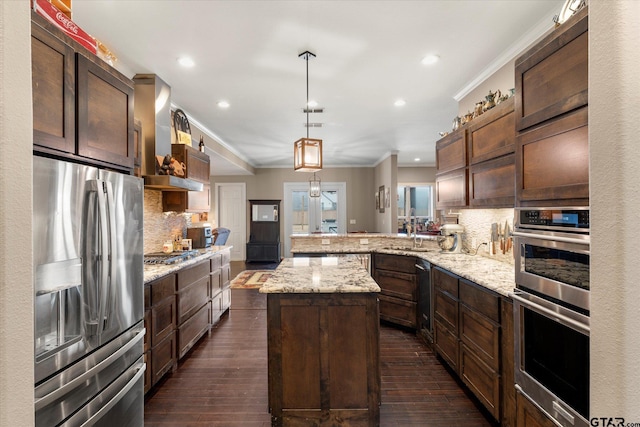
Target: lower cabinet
[(529, 415), (469, 336), (263, 252), (180, 309), (396, 276)]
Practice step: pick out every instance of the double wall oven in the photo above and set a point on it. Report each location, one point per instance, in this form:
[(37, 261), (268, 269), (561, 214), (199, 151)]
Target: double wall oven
[(551, 308)]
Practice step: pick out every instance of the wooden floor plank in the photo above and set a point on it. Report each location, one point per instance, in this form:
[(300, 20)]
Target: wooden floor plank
[(223, 379)]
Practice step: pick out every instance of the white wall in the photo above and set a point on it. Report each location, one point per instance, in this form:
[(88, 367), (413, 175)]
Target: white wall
[(16, 285), (614, 108)]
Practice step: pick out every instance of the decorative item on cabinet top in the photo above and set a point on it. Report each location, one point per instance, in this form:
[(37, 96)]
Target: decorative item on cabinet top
[(182, 128), (491, 100)]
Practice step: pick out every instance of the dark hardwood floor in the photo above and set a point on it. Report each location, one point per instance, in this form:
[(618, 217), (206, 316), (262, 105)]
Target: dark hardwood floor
[(223, 380)]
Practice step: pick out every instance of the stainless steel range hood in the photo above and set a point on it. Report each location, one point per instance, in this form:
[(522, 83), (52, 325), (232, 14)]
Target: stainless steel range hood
[(152, 106)]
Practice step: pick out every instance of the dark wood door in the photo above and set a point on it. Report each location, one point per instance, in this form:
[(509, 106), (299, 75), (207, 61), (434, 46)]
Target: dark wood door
[(451, 151), (105, 115), (493, 183), (53, 90), (452, 189)]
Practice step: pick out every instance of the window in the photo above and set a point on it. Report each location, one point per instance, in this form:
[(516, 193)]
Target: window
[(415, 206)]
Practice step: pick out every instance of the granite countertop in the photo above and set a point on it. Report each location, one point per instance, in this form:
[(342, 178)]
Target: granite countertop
[(319, 275), (494, 275), (156, 271)]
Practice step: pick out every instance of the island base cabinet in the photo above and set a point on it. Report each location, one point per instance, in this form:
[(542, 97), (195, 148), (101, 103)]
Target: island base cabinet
[(322, 373)]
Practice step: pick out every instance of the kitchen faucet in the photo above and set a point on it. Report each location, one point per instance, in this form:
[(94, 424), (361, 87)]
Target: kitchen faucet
[(415, 229)]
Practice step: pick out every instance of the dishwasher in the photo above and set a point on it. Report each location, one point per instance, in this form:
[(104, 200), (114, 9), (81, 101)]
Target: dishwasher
[(425, 306)]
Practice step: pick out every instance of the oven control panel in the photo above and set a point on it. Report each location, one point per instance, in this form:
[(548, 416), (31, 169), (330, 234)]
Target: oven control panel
[(553, 218)]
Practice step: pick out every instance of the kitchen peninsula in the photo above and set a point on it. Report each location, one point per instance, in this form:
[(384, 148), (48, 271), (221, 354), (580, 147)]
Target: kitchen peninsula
[(323, 343)]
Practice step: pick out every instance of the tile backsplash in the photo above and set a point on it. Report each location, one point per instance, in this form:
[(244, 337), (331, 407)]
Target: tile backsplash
[(161, 226), (477, 225)]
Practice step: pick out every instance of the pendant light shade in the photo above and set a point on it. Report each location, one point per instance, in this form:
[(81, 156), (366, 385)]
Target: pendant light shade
[(314, 186), (307, 152)]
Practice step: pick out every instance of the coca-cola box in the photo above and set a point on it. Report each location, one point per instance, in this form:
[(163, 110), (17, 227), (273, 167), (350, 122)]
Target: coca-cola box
[(70, 28)]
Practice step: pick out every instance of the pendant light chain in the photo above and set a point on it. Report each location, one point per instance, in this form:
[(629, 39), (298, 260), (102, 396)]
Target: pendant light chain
[(307, 152), (307, 104)]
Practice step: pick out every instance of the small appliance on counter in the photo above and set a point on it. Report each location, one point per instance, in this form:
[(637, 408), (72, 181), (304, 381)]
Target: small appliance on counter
[(201, 237), (450, 239)]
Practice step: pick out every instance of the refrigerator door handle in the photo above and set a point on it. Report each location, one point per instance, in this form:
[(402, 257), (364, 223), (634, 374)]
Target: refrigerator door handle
[(104, 255), (77, 381), (112, 252), (110, 404)]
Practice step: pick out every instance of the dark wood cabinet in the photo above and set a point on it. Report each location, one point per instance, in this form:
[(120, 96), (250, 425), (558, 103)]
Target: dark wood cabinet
[(552, 76), (492, 134), (552, 146), (309, 382), (452, 189), (492, 183), (82, 107), (529, 415), (264, 231), (198, 169), (161, 302), (193, 297), (399, 292), (473, 334), (137, 147), (451, 151)]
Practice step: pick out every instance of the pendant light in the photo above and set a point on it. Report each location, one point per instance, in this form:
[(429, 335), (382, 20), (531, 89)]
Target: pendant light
[(314, 186), (307, 152)]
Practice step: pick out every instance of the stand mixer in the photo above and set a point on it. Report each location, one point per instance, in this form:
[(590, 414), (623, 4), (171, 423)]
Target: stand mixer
[(450, 239)]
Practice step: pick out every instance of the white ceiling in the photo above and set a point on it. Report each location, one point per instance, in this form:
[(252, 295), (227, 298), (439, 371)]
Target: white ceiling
[(368, 56)]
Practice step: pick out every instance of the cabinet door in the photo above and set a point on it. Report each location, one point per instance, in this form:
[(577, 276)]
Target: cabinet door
[(552, 163), (446, 344), (163, 357), (197, 163), (493, 134), (398, 311), (163, 320), (399, 285), (451, 189), (53, 90), (451, 152), (552, 77), (480, 336), (483, 381), (193, 329), (105, 115), (493, 183), (192, 298)]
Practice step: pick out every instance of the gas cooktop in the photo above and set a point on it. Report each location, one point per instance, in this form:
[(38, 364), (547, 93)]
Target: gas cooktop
[(172, 258)]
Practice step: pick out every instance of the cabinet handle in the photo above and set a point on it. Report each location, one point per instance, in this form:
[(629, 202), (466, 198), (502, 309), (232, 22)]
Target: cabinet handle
[(419, 267)]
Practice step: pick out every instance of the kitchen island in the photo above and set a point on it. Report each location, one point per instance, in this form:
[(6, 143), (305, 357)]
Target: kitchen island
[(323, 343)]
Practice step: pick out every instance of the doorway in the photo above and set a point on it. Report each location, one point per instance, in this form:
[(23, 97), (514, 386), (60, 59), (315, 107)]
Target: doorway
[(307, 215), (231, 213)]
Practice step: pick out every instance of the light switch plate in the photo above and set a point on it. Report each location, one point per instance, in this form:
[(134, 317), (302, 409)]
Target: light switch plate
[(364, 241), (352, 221), (326, 242)]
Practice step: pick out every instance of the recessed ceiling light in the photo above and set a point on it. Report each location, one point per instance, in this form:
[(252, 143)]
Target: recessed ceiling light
[(417, 159), (400, 103), (312, 103), (187, 62), (430, 59), (223, 104)]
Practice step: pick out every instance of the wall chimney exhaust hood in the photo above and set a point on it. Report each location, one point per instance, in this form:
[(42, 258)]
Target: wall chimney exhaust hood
[(152, 106)]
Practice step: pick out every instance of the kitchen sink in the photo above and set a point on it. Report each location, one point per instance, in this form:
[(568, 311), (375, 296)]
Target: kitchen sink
[(399, 248)]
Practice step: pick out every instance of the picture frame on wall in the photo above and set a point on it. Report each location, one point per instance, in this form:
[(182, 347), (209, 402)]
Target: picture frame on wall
[(376, 196), (387, 197), (381, 199)]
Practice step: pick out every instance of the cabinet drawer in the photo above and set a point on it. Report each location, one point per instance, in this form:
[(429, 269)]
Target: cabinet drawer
[(216, 309), (216, 282), (399, 263), (399, 285), (191, 298), (189, 275), (445, 282), (162, 289), (225, 271), (192, 330), (451, 152), (163, 320), (482, 301), (226, 299), (163, 357), (226, 257), (446, 344), (483, 381), (216, 262), (446, 309), (481, 335), (398, 311)]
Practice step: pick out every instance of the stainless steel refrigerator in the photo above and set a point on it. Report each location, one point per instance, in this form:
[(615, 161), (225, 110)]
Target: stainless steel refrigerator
[(89, 306)]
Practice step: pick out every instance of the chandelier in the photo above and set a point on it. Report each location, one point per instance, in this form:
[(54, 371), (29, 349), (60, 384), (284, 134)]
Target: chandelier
[(307, 152)]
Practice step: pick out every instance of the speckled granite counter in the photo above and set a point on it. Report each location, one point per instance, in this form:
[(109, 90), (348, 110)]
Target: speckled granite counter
[(156, 271), (320, 275), (494, 275)]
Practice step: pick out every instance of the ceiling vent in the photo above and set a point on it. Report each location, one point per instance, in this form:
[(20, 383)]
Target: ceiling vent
[(312, 125)]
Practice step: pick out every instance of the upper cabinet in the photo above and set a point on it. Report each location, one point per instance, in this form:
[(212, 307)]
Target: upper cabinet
[(552, 144), (82, 107), (197, 168), (451, 151)]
